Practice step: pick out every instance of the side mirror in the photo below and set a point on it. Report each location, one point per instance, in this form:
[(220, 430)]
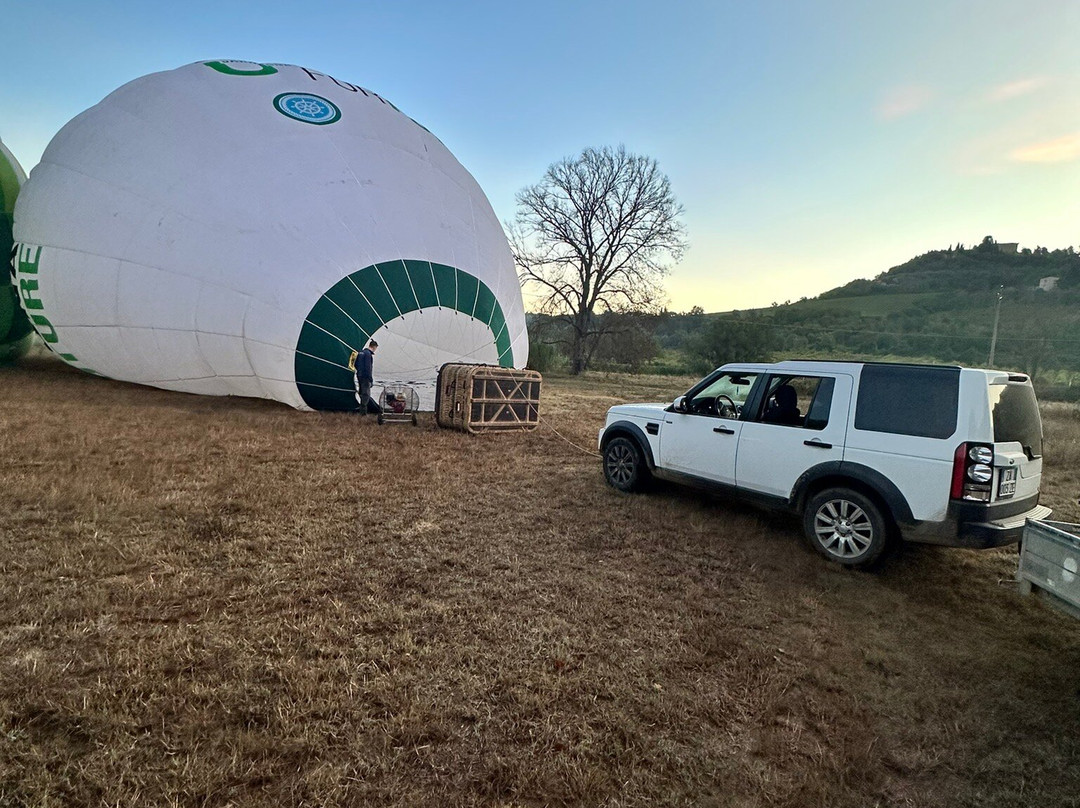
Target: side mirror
[(679, 404)]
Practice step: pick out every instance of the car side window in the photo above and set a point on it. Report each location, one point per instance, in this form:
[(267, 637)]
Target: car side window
[(908, 400), (799, 401), (722, 396)]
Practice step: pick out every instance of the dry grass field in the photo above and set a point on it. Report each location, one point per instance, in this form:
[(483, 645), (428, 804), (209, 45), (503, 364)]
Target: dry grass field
[(222, 602)]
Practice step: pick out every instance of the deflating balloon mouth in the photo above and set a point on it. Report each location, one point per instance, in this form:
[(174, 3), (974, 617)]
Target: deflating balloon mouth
[(360, 304)]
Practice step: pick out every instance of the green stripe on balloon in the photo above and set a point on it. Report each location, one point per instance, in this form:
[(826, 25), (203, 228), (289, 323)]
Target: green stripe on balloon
[(344, 319), (423, 283)]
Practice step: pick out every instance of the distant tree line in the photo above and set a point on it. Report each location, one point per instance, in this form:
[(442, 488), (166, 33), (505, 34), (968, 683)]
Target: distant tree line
[(938, 307)]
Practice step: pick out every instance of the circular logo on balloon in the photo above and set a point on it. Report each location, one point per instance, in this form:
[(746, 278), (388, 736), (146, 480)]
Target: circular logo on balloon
[(307, 108)]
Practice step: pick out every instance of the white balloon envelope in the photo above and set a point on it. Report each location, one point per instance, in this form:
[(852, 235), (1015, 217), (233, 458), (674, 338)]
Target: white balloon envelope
[(233, 228)]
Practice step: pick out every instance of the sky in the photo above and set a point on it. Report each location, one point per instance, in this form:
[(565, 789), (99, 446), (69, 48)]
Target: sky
[(810, 143)]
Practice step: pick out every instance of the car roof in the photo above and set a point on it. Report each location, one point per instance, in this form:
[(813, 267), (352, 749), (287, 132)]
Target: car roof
[(862, 362), (855, 366)]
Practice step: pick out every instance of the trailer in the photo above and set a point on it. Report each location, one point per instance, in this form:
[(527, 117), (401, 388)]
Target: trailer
[(1050, 563)]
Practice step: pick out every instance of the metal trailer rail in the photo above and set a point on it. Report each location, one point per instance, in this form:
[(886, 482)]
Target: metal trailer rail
[(1050, 563)]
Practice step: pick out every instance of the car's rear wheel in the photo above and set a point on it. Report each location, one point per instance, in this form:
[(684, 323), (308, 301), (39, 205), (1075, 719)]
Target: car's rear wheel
[(624, 465), (846, 526)]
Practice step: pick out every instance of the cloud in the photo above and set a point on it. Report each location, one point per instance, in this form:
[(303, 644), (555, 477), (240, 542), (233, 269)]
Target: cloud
[(902, 101), (1060, 150), (1015, 89)]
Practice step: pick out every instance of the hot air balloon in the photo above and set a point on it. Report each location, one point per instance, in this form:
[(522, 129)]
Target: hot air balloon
[(238, 228), (16, 332)]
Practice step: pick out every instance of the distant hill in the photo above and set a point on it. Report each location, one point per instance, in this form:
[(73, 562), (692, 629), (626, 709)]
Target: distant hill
[(982, 268), (941, 306)]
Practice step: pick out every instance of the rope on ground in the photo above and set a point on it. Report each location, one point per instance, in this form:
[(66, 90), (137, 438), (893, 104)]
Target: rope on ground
[(546, 423)]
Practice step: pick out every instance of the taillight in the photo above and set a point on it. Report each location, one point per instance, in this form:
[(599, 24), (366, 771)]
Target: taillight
[(973, 472)]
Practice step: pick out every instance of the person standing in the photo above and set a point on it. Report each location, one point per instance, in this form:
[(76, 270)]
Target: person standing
[(363, 378)]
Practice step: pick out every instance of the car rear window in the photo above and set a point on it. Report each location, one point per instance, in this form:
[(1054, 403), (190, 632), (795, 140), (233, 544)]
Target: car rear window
[(1016, 416), (902, 400)]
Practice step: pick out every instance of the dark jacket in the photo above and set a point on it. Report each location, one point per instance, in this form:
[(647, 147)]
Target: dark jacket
[(364, 364)]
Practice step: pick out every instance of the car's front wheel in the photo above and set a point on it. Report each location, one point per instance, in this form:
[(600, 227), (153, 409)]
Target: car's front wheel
[(624, 465), (846, 526)]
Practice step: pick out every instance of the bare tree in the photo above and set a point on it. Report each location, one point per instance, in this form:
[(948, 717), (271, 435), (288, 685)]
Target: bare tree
[(597, 234)]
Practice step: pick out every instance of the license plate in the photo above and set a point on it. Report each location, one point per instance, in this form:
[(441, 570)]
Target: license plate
[(1007, 483)]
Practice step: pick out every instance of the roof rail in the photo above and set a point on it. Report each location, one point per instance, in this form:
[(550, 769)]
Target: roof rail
[(873, 362)]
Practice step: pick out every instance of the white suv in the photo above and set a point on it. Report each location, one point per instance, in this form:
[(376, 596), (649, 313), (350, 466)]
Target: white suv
[(866, 452)]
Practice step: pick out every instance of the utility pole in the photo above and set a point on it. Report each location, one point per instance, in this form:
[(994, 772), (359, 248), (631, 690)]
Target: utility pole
[(993, 339)]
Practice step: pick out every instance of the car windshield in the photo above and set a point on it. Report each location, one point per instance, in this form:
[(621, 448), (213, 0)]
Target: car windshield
[(735, 386)]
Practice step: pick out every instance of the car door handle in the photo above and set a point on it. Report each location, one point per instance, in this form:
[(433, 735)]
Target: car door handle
[(817, 444), (723, 430)]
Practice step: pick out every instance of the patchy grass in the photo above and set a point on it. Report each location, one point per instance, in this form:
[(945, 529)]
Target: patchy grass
[(213, 602)]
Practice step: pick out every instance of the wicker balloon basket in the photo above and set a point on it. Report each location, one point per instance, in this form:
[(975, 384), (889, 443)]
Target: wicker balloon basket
[(487, 398)]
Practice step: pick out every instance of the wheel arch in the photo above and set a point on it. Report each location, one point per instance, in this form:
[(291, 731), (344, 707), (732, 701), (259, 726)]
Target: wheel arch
[(628, 429), (865, 480)]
